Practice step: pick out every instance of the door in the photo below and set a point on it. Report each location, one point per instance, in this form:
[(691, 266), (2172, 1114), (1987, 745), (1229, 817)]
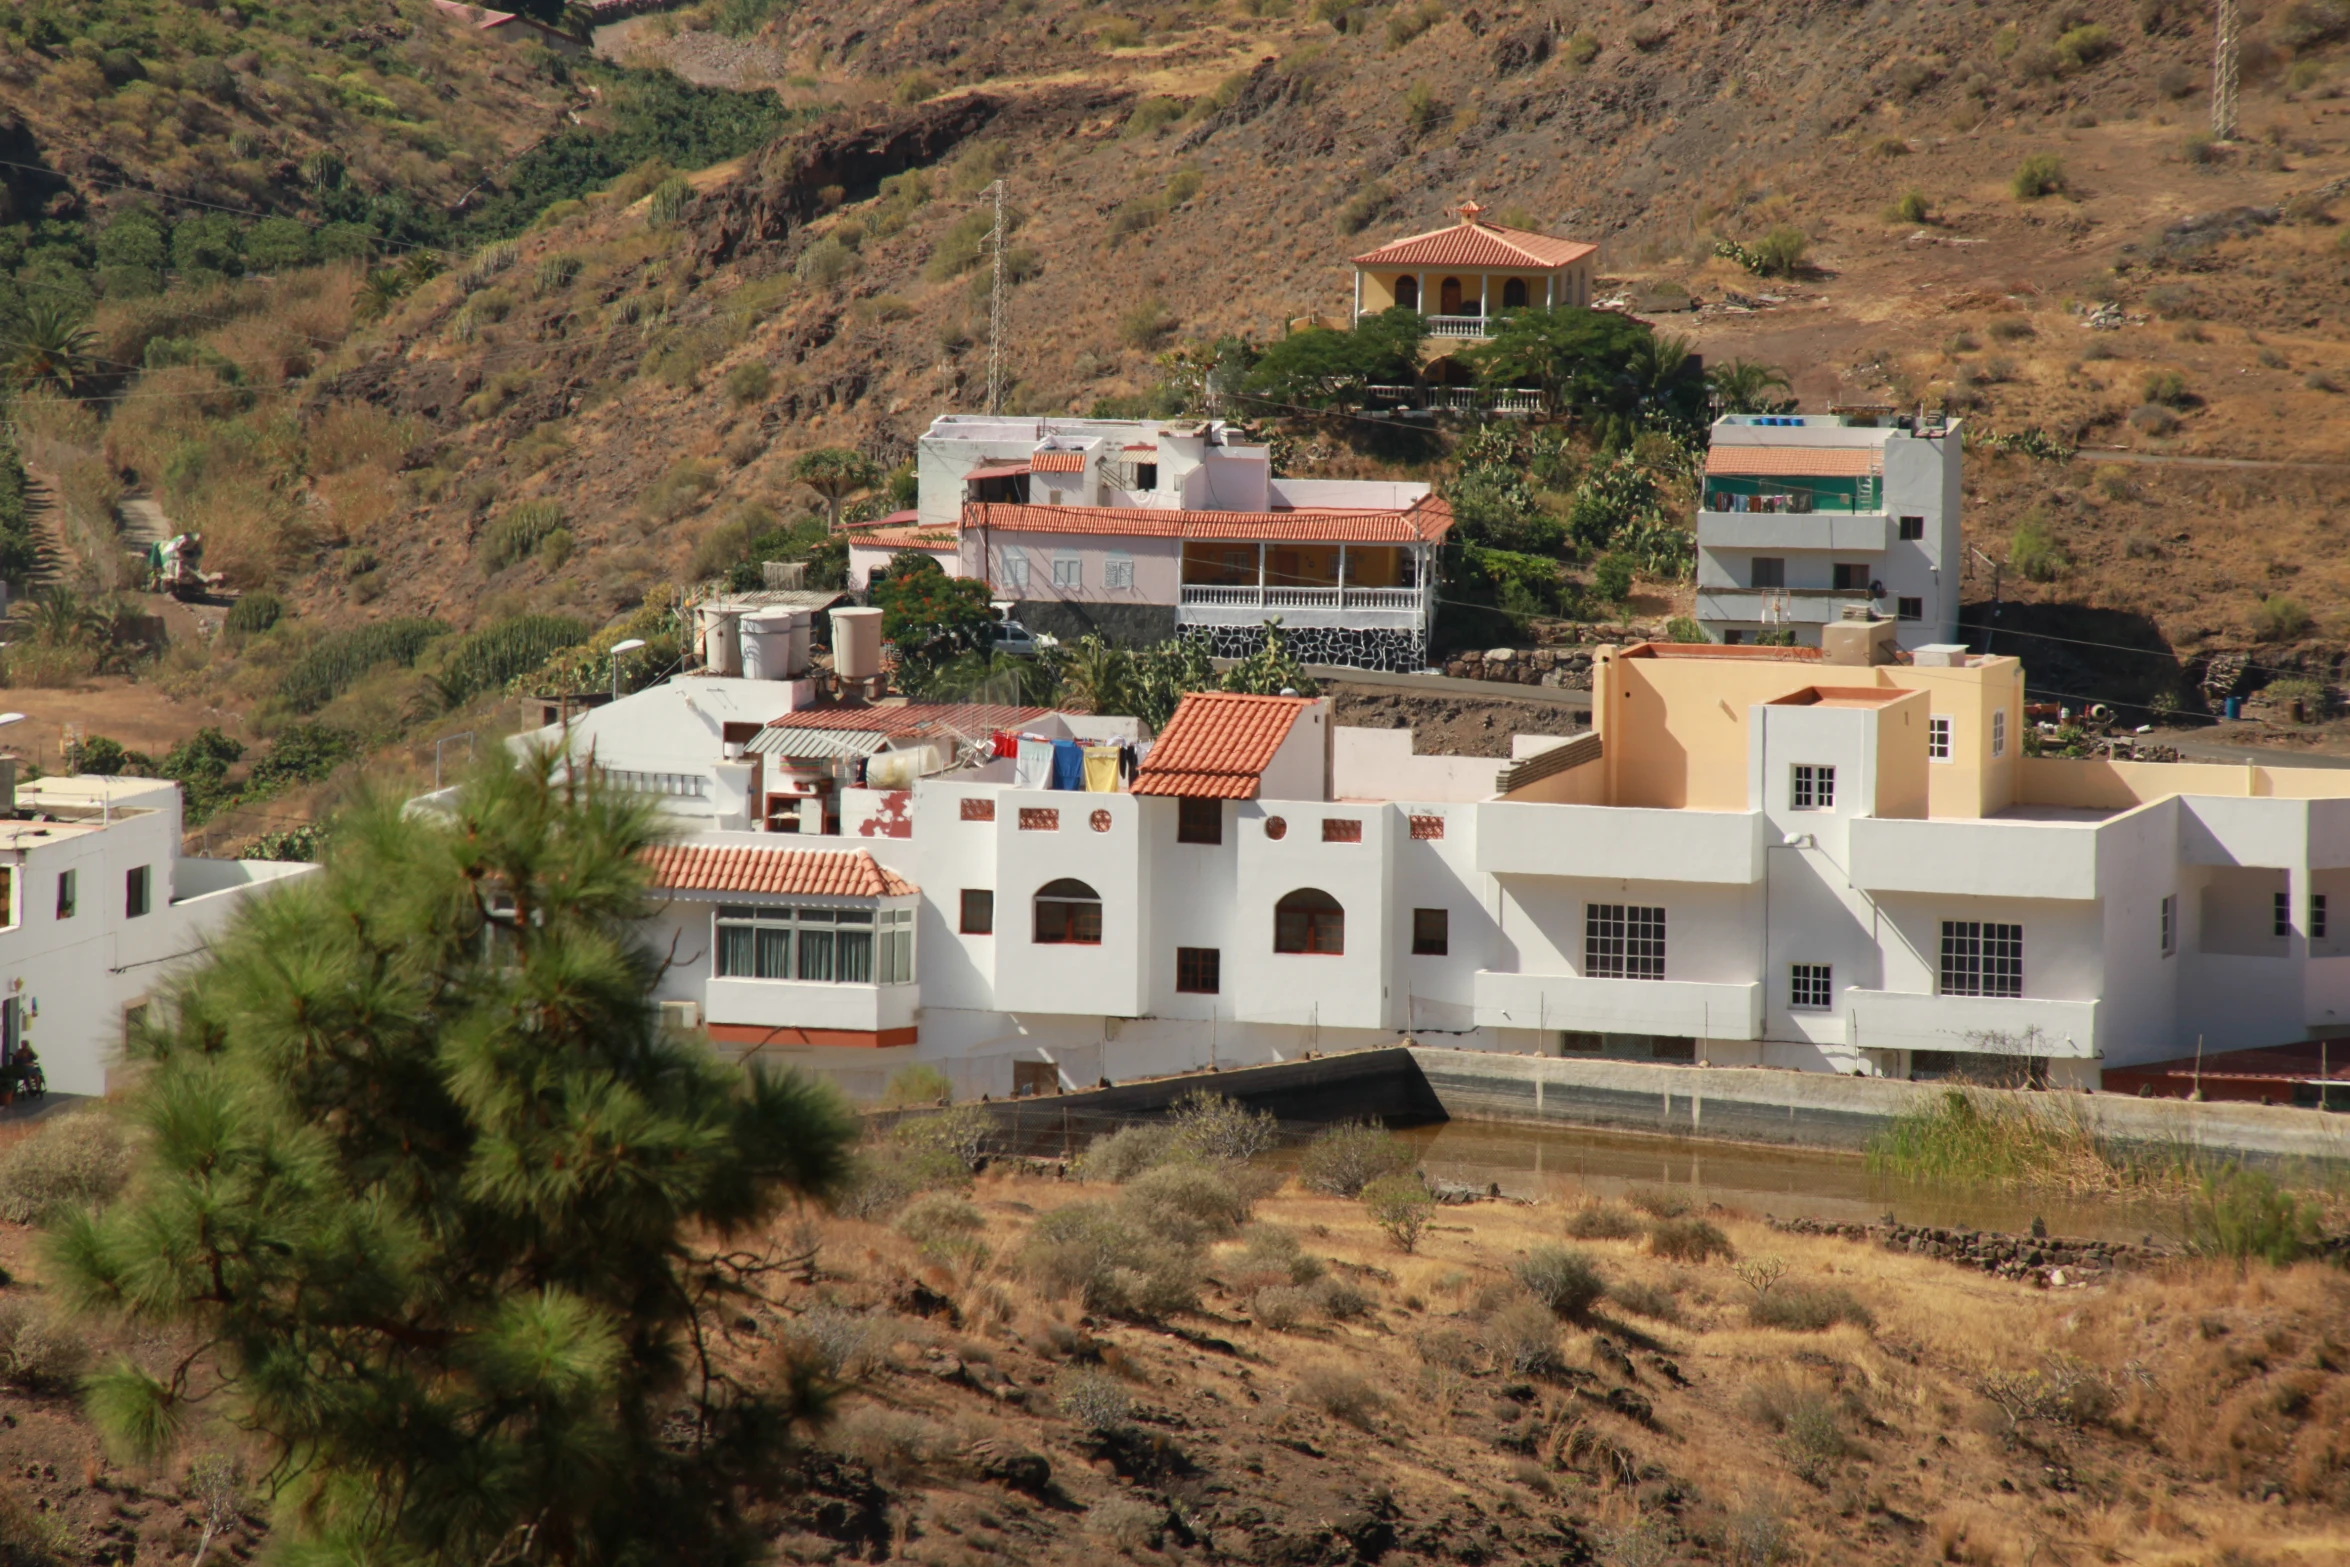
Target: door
[(1407, 293), (1448, 297)]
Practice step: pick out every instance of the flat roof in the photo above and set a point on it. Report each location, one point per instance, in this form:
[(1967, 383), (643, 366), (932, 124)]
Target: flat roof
[(1840, 696)]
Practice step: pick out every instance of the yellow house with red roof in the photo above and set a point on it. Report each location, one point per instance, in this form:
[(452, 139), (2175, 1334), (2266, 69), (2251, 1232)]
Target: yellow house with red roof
[(1461, 278)]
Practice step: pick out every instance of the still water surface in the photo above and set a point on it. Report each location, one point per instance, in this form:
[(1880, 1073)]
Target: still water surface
[(1786, 1183)]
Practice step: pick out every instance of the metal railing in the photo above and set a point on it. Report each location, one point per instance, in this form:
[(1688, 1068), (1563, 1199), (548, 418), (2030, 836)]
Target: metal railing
[(1205, 596), (1457, 399)]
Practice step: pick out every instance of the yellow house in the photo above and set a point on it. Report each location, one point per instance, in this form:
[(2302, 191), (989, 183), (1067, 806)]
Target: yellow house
[(1462, 277)]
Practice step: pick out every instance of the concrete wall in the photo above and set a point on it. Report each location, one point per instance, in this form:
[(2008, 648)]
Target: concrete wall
[(1378, 764), (1157, 566)]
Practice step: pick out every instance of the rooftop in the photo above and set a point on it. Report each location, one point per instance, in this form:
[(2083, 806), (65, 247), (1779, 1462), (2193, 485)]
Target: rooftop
[(852, 873), (1720, 650), (1841, 696), (1475, 243), (1218, 745), (1423, 522), (1806, 461), (911, 718)]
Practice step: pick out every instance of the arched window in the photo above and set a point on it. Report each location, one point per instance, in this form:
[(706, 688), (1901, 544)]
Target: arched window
[(1309, 920), (1513, 294), (1068, 913), (1407, 293)]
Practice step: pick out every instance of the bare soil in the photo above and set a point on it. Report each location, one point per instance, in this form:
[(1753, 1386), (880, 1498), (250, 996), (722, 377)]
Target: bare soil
[(1452, 725)]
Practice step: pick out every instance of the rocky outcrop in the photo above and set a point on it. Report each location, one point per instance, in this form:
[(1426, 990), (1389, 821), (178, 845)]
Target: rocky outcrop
[(2041, 1259)]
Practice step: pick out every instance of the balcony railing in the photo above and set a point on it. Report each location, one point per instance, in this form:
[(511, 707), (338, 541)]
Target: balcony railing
[(1457, 399), (1204, 596), (1455, 326)]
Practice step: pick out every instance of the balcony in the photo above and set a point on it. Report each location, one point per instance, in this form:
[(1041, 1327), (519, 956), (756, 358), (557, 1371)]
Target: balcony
[(1456, 326), (1976, 859), (1991, 1025), (1790, 606), (1455, 399), (1618, 1006), (1207, 604), (791, 1003), (1620, 843), (1847, 532)]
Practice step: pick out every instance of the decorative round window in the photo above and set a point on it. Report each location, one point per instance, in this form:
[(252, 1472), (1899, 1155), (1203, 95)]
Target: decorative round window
[(1276, 827), (1100, 821)]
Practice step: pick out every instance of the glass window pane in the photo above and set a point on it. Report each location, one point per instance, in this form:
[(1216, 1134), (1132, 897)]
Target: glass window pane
[(736, 911), (734, 952), (814, 916), (774, 953), (816, 954), (854, 916), (856, 957)]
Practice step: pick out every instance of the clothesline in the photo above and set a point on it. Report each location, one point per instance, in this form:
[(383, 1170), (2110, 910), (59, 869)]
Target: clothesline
[(1039, 762)]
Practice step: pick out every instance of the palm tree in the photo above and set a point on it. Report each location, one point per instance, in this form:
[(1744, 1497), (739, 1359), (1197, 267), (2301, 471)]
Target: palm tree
[(53, 347), (1744, 386)]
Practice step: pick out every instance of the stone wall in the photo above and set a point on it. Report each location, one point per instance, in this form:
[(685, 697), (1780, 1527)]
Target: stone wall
[(1394, 652), (1121, 625), (1561, 660)]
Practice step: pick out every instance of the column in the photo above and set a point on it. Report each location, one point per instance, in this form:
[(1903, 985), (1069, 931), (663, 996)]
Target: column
[(1424, 310), (1550, 290), (1485, 300), (1342, 576), (1260, 576), (1358, 293)]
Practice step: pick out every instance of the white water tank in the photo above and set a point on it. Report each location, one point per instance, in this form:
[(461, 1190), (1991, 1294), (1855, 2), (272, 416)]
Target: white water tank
[(722, 652), (856, 644), (767, 645)]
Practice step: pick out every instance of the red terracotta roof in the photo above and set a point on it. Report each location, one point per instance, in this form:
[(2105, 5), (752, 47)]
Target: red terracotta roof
[(814, 872), (905, 539), (896, 519), (1797, 462), (1218, 745), (912, 718), (1474, 244), (1058, 462), (1423, 522)]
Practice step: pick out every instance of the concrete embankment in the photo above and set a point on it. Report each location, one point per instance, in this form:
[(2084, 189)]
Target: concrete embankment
[(1415, 1085)]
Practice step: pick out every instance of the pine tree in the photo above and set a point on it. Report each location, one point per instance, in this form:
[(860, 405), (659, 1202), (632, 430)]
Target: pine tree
[(454, 1225)]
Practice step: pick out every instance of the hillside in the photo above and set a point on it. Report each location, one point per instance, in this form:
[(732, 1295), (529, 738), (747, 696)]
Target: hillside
[(578, 421)]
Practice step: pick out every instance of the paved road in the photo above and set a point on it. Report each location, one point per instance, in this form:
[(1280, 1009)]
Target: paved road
[(2168, 460)]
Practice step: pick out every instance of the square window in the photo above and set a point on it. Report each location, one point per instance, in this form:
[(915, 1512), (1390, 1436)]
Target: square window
[(1068, 572), (1342, 829), (1733, 639), (134, 891), (1909, 609), (1199, 971), (2317, 916), (1851, 576), (1672, 1047), (1623, 941), (1981, 958), (1813, 787), (1938, 739), (1577, 1042), (1913, 527), (1431, 933), (1118, 572), (2280, 914), (978, 913), (1015, 568), (1999, 734), (67, 890), (1766, 571), (2170, 925), (1199, 821), (1811, 987)]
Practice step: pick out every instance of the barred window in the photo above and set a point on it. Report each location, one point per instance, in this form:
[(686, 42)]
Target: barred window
[(2280, 919), (1199, 971), (2317, 916), (1623, 941), (2170, 925), (1811, 987), (1814, 787), (1980, 958)]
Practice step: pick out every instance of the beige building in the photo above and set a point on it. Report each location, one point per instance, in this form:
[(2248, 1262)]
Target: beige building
[(1463, 277)]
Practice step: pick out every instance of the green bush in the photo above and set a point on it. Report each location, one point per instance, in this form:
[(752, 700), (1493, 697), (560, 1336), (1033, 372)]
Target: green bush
[(1151, 115), (2280, 619), (1118, 1157), (1424, 112), (1345, 1159), (2033, 552), (2041, 174), (1781, 251), (78, 1159), (678, 491), (1911, 206), (1109, 1262), (1359, 210), (254, 613), (1807, 1308), (963, 246), (748, 383), (1612, 578), (919, 1084), (1580, 49), (2083, 46), (944, 1224), (516, 535), (1269, 1248), (2242, 1214), (487, 659), (2167, 387), (827, 264), (1210, 1126), (1567, 1282), (1400, 1206), (1687, 1240), (1187, 1203), (339, 660)]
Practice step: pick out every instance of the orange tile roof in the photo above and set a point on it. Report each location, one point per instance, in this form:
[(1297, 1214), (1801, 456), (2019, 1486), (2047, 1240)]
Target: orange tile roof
[(911, 718), (812, 872), (1474, 244), (1797, 462), (1423, 522), (905, 539), (1058, 462), (1218, 745)]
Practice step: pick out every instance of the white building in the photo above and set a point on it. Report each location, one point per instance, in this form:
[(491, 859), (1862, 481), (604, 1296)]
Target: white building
[(1141, 529), (101, 912), (1805, 515), (1834, 858)]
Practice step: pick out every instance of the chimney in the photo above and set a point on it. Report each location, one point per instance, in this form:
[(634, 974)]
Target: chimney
[(1860, 639)]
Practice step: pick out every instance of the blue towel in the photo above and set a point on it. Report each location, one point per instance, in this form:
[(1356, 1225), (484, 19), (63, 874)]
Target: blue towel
[(1068, 765)]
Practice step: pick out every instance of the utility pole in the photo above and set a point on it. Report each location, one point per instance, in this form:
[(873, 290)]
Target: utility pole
[(995, 311), (2223, 73)]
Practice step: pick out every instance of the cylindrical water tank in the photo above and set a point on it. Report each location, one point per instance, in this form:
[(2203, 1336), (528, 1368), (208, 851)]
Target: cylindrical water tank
[(803, 642), (722, 652), (856, 644), (766, 642)]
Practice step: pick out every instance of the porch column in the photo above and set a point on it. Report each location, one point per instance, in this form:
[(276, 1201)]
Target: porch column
[(1485, 299), (1550, 290), (1342, 576), (1358, 293), (1424, 310), (1260, 576)]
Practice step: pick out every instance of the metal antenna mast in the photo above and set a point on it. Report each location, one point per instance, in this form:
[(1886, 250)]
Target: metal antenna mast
[(2223, 73), (995, 311)]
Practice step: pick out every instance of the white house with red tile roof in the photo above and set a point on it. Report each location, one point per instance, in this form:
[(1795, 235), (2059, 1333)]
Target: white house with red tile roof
[(1141, 530), (1461, 278)]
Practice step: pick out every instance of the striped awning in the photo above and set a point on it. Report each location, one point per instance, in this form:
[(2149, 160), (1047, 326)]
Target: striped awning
[(817, 744)]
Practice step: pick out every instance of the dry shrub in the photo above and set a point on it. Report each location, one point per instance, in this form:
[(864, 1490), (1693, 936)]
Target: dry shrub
[(1567, 1282), (1646, 1300), (357, 502), (1340, 1394), (1602, 1221), (1523, 1338), (81, 1158), (1120, 1156), (38, 1350), (841, 1343), (1687, 1240), (1339, 1300), (1807, 1421), (1102, 1257), (1095, 1400), (352, 435), (1274, 1250), (899, 1448), (1400, 1206), (1281, 1307), (250, 534), (1187, 1203), (1130, 1524), (1446, 1347), (1807, 1308), (1658, 1202), (1345, 1159), (945, 1225)]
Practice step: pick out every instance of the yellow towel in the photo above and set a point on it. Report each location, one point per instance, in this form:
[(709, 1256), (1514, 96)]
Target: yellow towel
[(1101, 769)]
